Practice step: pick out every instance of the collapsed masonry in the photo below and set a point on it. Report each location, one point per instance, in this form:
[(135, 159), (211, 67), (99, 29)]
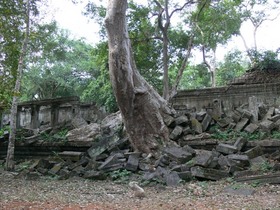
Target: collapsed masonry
[(111, 151)]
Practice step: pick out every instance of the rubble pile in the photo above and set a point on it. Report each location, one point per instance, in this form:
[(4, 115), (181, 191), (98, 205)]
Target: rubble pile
[(111, 151)]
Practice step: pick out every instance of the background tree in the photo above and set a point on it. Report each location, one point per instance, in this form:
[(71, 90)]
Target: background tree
[(58, 66), (217, 23), (11, 146), (257, 12), (234, 65)]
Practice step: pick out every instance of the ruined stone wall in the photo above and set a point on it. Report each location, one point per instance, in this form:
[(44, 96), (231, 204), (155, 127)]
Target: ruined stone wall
[(51, 112), (230, 97)]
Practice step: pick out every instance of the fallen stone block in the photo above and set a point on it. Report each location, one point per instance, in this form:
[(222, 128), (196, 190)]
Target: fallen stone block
[(104, 143), (274, 118), (267, 125), (203, 158), (269, 113), (208, 173), (64, 174), (200, 115), (206, 122), (254, 152), (86, 133), (176, 133), (240, 143), (163, 161), (185, 175), (169, 121), (178, 154), (251, 128), (196, 126), (268, 179), (236, 116), (226, 148), (111, 163), (71, 155), (239, 160), (247, 114), (183, 120), (223, 162), (56, 168), (78, 121), (172, 179), (41, 163), (133, 162), (258, 163), (241, 124)]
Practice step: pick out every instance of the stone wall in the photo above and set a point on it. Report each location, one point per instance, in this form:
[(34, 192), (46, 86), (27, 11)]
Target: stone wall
[(52, 112), (228, 97)]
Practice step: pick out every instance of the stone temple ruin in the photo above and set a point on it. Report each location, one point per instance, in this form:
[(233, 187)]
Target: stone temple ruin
[(98, 143)]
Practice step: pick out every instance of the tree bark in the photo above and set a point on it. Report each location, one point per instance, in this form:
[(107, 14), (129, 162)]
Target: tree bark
[(141, 106), (10, 165)]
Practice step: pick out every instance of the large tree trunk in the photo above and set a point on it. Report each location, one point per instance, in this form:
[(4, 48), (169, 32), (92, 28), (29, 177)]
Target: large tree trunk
[(141, 106), (10, 165)]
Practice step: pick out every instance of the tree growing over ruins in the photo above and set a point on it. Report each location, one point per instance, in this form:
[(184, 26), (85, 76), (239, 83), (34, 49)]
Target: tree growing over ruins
[(141, 106)]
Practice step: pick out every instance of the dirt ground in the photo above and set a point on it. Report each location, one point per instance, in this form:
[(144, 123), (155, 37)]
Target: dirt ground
[(78, 193)]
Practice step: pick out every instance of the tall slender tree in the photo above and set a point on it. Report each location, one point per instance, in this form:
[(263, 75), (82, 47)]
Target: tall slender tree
[(10, 165)]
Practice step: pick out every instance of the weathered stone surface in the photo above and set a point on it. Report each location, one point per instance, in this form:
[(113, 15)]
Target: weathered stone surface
[(217, 109), (189, 149), (206, 122), (105, 143), (41, 163), (133, 161), (84, 133), (111, 163), (208, 173), (169, 121), (240, 143), (269, 113), (200, 115), (275, 118), (269, 179), (71, 155), (172, 179), (78, 122), (176, 133), (241, 124), (240, 160), (226, 148), (223, 122), (247, 114), (185, 175), (254, 152), (56, 168), (163, 161), (231, 126), (196, 126), (251, 128), (203, 158), (258, 163), (267, 125), (236, 116), (182, 120), (254, 109), (178, 154)]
